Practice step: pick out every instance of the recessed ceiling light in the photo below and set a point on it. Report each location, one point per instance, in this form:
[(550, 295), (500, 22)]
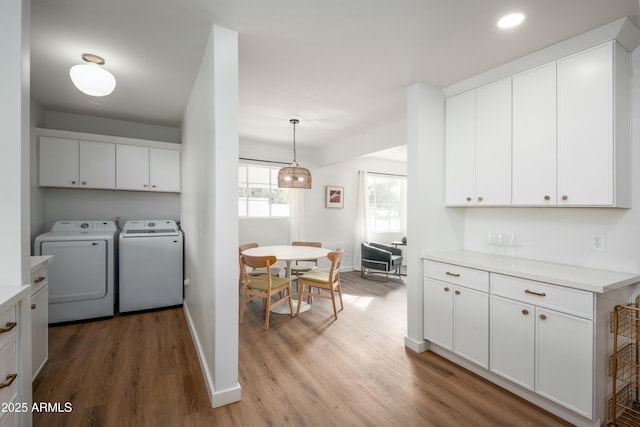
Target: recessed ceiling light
[(511, 20)]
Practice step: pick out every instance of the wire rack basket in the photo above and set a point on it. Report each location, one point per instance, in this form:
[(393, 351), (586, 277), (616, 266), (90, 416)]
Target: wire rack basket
[(624, 405)]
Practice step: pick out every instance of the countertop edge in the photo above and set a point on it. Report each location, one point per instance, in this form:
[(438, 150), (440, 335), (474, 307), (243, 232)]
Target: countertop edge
[(611, 280)]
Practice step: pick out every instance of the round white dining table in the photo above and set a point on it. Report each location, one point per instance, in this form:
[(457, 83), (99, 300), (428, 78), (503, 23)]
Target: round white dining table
[(288, 254)]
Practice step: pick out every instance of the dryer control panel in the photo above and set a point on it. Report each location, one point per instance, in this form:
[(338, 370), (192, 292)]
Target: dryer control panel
[(148, 228), (83, 226)]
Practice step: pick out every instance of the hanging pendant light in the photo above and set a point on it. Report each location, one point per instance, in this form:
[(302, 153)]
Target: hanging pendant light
[(294, 176), (91, 78)]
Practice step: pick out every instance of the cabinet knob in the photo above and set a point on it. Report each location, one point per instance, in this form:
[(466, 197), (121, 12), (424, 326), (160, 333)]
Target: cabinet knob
[(145, 185), (154, 186), (543, 317), (446, 289), (565, 197), (33, 306), (457, 292), (547, 197), (84, 182), (468, 199), (73, 182), (525, 311), (479, 199)]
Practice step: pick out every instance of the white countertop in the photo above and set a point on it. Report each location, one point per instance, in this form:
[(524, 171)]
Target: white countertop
[(10, 295), (571, 276), (37, 261)]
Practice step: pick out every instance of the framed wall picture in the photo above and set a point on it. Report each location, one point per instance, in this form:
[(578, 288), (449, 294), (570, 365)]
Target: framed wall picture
[(335, 197)]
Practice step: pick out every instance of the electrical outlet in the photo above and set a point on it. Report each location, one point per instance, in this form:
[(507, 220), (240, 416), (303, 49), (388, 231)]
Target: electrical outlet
[(598, 242)]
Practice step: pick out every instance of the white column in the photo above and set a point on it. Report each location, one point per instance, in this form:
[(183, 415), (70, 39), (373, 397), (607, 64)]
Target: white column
[(430, 226), (15, 18)]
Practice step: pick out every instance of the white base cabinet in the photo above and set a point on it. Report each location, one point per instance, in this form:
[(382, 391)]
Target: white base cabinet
[(547, 341), (39, 312)]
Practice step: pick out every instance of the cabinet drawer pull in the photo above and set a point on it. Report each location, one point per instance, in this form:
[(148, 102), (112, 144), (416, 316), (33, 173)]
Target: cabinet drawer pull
[(9, 326), (539, 294), (452, 274), (543, 317), (9, 380), (33, 306), (39, 279), (446, 289), (547, 197), (525, 311), (457, 292)]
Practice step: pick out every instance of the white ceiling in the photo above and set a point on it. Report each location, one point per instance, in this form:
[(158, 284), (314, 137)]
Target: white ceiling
[(341, 67)]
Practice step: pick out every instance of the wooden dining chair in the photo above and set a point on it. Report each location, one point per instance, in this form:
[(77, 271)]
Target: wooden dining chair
[(263, 286), (321, 280), (303, 266), (275, 271)]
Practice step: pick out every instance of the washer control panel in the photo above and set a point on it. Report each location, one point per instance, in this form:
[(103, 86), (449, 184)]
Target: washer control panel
[(148, 228)]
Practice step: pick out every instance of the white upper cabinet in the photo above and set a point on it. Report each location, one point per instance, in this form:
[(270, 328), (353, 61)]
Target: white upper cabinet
[(478, 149), (146, 168), (493, 144), (164, 169), (97, 165), (77, 164), (460, 149), (133, 167), (593, 132), (554, 135), (58, 162), (534, 137)]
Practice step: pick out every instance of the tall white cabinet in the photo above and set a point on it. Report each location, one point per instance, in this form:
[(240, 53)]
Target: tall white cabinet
[(478, 150), (554, 135)]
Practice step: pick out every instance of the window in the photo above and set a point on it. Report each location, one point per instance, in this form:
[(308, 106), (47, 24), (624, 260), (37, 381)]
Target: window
[(258, 193), (386, 202)]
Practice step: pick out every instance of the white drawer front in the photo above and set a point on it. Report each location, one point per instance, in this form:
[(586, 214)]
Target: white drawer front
[(567, 300), (39, 278), (8, 373), (468, 277), (8, 326)]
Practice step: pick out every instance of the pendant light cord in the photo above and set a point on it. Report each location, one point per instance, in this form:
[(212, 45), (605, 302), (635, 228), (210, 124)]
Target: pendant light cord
[(294, 142)]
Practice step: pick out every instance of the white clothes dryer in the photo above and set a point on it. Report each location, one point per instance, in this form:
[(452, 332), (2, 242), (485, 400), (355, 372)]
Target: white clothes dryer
[(151, 265), (81, 281)]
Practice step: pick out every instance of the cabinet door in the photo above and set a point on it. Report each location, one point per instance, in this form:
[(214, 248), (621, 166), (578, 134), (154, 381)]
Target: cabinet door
[(132, 171), (471, 325), (585, 128), (534, 137), (165, 169), (58, 162), (97, 165), (493, 144), (460, 149), (39, 330), (564, 360), (512, 340), (438, 313)]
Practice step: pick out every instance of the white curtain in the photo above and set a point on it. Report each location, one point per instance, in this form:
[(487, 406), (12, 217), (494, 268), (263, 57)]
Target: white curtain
[(296, 214), (362, 217)]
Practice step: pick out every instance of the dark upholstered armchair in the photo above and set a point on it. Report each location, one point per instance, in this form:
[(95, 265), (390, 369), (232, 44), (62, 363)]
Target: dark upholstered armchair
[(380, 258)]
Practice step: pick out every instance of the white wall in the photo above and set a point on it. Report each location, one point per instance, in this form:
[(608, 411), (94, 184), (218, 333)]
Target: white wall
[(563, 235), (103, 126), (209, 212), (37, 204), (14, 145)]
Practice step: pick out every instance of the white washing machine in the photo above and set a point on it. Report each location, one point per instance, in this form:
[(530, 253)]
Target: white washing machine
[(150, 265), (81, 281)]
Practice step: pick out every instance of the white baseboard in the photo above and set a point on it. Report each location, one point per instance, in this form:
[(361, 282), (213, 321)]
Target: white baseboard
[(217, 398), (419, 346)]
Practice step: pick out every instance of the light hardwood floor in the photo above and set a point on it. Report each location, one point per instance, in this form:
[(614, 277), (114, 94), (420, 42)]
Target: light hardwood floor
[(142, 370)]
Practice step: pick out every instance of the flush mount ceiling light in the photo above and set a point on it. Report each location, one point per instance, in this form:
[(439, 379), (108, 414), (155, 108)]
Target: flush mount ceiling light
[(294, 176), (91, 78), (511, 20)]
